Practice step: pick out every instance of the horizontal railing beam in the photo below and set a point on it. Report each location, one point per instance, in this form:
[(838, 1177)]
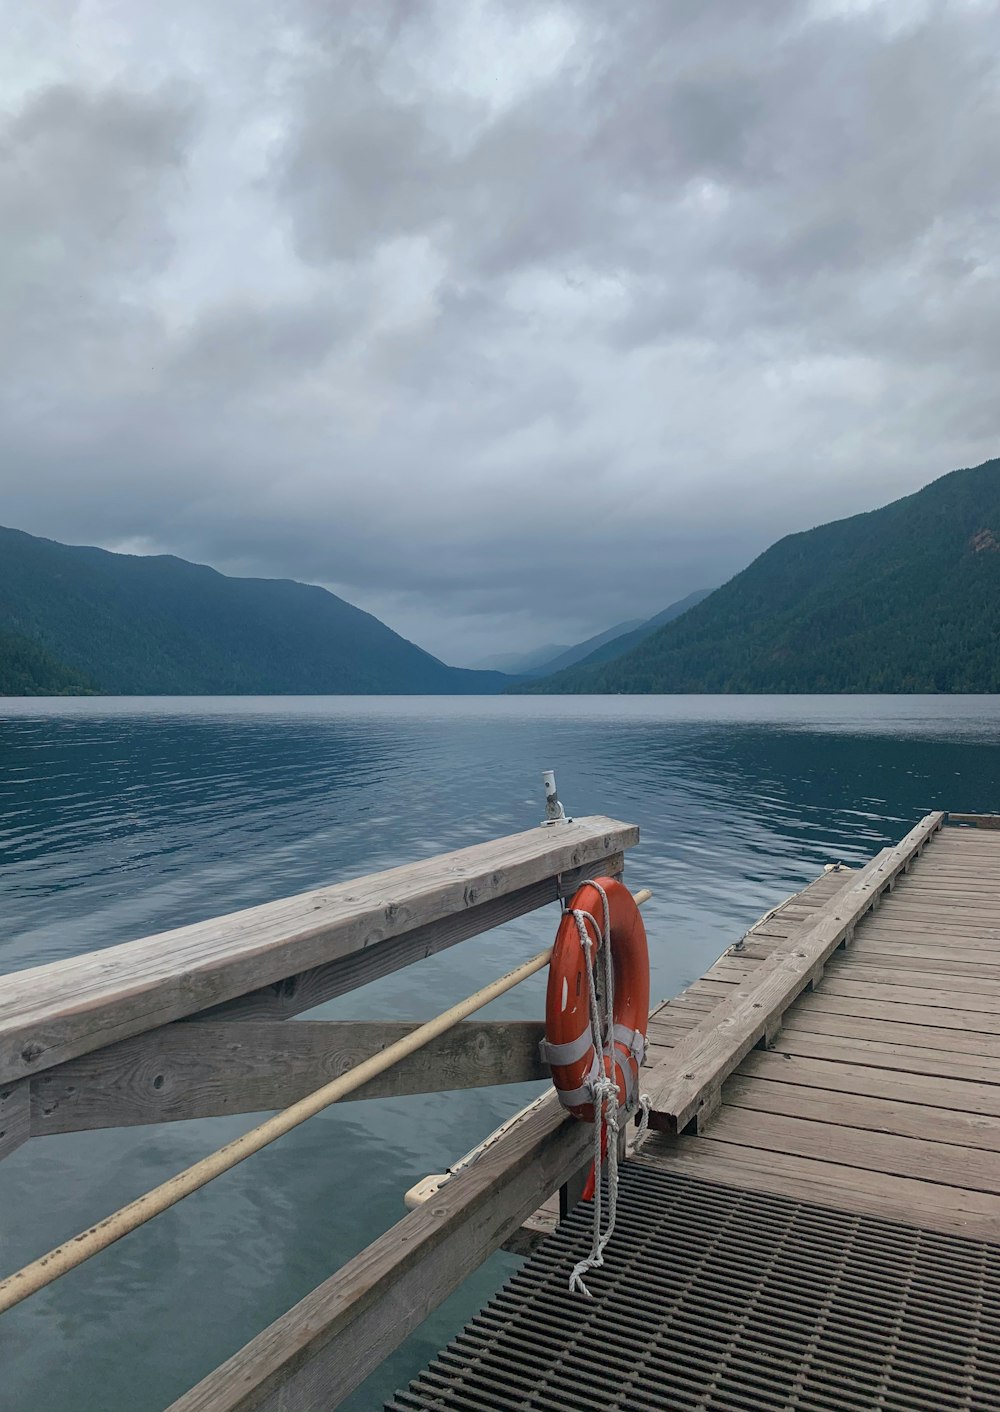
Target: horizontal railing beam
[(205, 1069), (311, 988), (54, 1013)]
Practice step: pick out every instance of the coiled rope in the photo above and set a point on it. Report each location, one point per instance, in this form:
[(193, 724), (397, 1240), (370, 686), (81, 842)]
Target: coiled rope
[(604, 1087)]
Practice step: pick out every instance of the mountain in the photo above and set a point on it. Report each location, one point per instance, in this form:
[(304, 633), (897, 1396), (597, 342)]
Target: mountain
[(521, 663), (154, 625), (568, 656), (617, 646), (901, 599), (28, 670)]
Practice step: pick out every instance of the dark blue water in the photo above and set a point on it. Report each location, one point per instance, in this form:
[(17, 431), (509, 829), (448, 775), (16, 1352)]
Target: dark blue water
[(120, 818)]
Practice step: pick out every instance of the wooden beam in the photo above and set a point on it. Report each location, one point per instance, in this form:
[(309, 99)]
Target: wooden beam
[(14, 1116), (687, 1083), (206, 1068), (310, 988), (53, 1013), (316, 1354), (979, 821)]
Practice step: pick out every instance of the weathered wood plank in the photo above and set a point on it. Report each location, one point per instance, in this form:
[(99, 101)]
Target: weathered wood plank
[(56, 1012), (954, 1210), (943, 909), (927, 1087), (914, 934), (311, 988), (927, 961), (979, 821), (941, 1162), (318, 1352), (15, 1123), (207, 1068), (884, 1053), (898, 971), (714, 989), (732, 966), (860, 1111), (933, 1017), (948, 995), (687, 1082), (881, 1028)]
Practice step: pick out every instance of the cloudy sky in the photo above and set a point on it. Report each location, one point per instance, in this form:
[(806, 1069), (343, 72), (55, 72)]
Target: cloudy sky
[(505, 319)]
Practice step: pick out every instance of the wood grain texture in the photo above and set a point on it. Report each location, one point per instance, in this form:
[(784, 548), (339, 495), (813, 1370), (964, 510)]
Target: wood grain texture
[(887, 929), (15, 1119), (954, 1210), (944, 1163), (304, 991), (208, 1068), (915, 1016), (858, 969), (885, 1053), (940, 993), (948, 961), (685, 1083), (902, 1118), (879, 1027), (921, 1076), (53, 1013), (318, 1352)]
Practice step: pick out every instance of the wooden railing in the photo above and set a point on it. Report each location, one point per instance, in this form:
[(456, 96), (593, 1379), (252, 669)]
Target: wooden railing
[(190, 1023)]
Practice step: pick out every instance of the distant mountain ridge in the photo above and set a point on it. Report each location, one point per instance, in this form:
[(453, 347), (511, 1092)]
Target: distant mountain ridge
[(520, 663), (602, 647), (901, 599), (617, 646), (125, 625), (568, 656)]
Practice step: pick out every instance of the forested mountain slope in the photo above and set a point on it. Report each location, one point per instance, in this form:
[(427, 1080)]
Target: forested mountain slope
[(160, 625), (901, 599)]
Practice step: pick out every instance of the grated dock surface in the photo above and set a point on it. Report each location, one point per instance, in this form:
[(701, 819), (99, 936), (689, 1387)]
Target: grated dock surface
[(721, 1300)]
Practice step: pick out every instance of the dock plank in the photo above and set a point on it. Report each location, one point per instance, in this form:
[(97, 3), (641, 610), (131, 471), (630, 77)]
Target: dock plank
[(925, 1085), (944, 1163), (848, 1026), (852, 1110), (886, 1053), (932, 1017), (939, 994), (956, 1211)]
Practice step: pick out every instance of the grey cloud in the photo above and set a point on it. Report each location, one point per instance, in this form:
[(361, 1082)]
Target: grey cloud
[(498, 315), (79, 176)]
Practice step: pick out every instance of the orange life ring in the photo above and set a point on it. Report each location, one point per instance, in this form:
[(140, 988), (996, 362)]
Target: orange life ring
[(568, 1046)]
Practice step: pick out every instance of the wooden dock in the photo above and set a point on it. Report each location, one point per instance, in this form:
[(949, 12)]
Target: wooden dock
[(879, 1089), (814, 1221)]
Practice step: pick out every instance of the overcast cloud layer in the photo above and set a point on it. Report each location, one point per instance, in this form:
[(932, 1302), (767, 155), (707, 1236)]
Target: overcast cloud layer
[(504, 320)]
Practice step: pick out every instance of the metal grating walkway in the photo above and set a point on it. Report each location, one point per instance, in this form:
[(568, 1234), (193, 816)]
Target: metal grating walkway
[(715, 1298)]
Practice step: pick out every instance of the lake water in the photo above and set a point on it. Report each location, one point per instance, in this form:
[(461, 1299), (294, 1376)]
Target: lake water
[(123, 817)]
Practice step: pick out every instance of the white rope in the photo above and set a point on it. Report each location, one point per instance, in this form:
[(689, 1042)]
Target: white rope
[(605, 1090)]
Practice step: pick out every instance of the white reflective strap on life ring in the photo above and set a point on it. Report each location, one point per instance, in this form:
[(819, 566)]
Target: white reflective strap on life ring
[(557, 1055), (573, 1097), (631, 1079), (634, 1041)]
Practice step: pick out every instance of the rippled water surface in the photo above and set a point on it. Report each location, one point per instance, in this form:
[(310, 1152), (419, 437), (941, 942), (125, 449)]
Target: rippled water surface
[(119, 818)]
